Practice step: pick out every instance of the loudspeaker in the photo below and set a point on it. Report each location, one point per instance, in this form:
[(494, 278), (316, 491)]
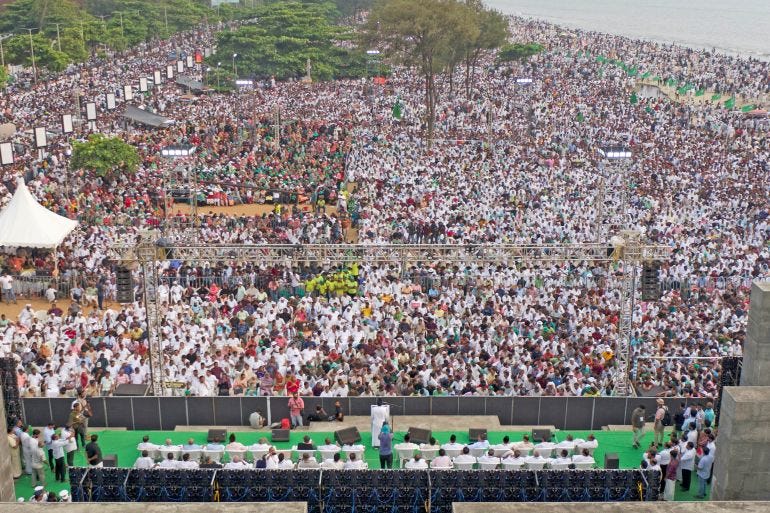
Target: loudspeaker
[(216, 435), (419, 436), (110, 460), (124, 283), (541, 435), (650, 285), (280, 435), (473, 434), (347, 436), (611, 460), (129, 389)]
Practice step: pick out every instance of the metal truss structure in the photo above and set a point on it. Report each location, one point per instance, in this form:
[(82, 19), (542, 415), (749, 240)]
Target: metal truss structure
[(631, 251)]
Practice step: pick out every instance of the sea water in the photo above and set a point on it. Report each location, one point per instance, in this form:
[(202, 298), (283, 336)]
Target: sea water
[(739, 27)]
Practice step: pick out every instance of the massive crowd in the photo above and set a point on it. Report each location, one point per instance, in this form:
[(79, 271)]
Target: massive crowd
[(513, 163)]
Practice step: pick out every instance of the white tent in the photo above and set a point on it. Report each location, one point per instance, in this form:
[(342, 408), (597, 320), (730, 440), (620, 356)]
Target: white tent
[(25, 223)]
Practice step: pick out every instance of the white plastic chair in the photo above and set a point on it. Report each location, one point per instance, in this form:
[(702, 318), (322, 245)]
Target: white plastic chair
[(429, 454), (404, 455), (488, 465), (478, 452), (545, 452), (216, 456), (590, 449), (327, 454), (464, 465), (194, 455), (585, 465), (440, 468), (512, 465), (558, 466), (257, 454), (532, 465), (453, 453), (499, 451)]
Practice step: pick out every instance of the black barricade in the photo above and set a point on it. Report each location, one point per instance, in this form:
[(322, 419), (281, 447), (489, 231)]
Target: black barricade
[(347, 491)]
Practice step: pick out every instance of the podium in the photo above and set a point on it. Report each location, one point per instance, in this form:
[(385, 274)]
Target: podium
[(379, 415)]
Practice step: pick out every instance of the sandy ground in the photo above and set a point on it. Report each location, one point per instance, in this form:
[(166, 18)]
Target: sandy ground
[(670, 91), (248, 210), (12, 311)]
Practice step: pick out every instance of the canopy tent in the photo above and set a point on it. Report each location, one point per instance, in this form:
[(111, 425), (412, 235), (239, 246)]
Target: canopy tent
[(189, 83), (25, 223), (143, 117)]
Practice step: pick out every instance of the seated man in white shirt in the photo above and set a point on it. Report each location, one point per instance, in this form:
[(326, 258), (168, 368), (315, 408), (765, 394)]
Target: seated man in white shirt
[(146, 445), (236, 464), (271, 459), (535, 458), (591, 443), (583, 457), (168, 462), (407, 445), (562, 459), (505, 446), (416, 463), (190, 446), (328, 446), (144, 461), (284, 463), (307, 462), (525, 446), (234, 445), (544, 447), (441, 461), (334, 463), (186, 462), (513, 458), (480, 443), (489, 458), (465, 457), (432, 446), (354, 463), (452, 444), (568, 444)]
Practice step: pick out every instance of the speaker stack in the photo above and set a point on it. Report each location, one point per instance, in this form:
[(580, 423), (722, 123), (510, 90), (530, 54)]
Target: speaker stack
[(10, 386), (729, 377)]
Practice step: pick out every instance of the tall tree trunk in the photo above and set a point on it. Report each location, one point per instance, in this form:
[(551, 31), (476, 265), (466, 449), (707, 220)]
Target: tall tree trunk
[(467, 76)]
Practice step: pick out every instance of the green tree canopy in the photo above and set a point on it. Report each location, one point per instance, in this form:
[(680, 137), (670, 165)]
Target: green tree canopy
[(287, 35), (106, 156)]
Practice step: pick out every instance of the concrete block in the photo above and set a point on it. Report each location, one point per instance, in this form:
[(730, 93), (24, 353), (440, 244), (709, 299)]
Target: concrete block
[(742, 460)]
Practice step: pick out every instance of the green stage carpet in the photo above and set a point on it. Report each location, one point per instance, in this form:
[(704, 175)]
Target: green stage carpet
[(123, 444)]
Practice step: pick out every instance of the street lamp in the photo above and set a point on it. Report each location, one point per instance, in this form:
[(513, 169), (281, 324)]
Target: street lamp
[(219, 68), (235, 70), (523, 81)]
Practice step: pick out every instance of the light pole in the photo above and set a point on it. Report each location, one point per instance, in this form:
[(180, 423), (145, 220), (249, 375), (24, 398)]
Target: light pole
[(235, 70), (122, 32), (32, 53), (219, 69)]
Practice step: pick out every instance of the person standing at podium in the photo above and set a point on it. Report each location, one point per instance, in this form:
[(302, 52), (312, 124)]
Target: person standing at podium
[(386, 446)]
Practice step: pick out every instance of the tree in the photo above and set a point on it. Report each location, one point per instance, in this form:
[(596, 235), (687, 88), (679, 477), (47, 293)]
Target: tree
[(518, 51), (420, 34), (492, 33), (105, 156), (3, 77), (287, 35)]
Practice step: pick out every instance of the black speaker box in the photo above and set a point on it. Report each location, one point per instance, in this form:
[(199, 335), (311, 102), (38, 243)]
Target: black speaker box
[(217, 435), (473, 434), (611, 460), (419, 436), (280, 435), (541, 435), (347, 436), (110, 460)]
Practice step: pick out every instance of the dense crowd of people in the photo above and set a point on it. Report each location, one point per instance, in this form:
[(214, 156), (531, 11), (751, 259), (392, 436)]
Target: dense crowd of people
[(511, 164)]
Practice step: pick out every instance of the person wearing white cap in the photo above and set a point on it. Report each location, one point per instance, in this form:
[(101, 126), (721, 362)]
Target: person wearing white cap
[(39, 495), (64, 496)]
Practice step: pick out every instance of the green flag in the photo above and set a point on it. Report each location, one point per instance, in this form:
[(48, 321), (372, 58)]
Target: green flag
[(580, 118), (397, 108), (729, 104), (716, 97), (700, 92), (748, 108), (634, 99)]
